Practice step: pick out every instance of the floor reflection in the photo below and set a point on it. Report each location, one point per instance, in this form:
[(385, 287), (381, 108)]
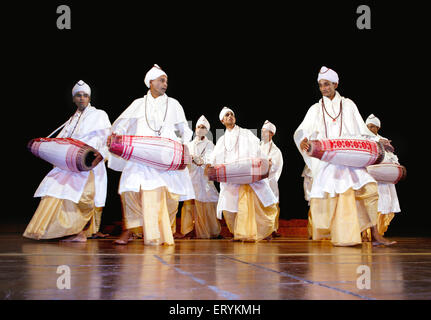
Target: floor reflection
[(213, 269)]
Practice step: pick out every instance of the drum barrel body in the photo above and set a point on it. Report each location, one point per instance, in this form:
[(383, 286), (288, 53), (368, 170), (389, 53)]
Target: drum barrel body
[(66, 153), (156, 152), (240, 172), (348, 152), (387, 172)]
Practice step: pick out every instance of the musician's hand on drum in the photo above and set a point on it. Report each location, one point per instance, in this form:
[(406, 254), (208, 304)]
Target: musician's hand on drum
[(206, 170), (304, 145), (109, 141), (387, 145)]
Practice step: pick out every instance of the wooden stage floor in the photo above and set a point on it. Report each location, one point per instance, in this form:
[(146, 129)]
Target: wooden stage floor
[(213, 269)]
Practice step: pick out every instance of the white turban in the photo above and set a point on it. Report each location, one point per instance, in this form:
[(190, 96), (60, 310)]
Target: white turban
[(81, 86), (223, 112), (204, 121), (327, 74), (154, 73), (373, 119), (269, 126)]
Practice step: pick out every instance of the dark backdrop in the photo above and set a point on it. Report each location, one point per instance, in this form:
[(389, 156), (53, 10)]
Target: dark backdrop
[(259, 58)]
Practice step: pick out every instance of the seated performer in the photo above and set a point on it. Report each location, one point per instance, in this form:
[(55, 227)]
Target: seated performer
[(250, 210), (388, 200), (72, 202), (269, 148), (343, 199), (200, 214), (150, 196)]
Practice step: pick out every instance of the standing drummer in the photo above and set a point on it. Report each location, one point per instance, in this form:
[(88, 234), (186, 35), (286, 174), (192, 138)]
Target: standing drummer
[(250, 210), (72, 202), (199, 215), (388, 198), (150, 196), (343, 199)]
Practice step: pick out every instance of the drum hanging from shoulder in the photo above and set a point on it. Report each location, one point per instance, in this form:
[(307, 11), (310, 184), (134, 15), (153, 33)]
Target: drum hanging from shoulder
[(239, 172), (65, 153), (156, 152), (387, 172), (347, 152)]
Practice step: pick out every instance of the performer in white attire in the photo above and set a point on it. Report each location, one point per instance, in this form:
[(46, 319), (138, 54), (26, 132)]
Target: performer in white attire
[(269, 148), (343, 199), (250, 210), (200, 214), (72, 201), (388, 199), (150, 196)]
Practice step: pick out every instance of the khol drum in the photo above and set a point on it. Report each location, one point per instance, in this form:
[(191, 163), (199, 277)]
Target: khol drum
[(156, 152), (239, 172), (347, 152), (65, 153), (387, 172)]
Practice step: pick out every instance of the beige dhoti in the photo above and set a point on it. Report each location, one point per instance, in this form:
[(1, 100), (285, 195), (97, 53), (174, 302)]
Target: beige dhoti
[(383, 221), (151, 210), (253, 221), (56, 218), (342, 218), (201, 216)]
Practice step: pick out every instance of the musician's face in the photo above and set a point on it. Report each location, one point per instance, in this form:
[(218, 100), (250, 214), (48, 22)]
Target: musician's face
[(229, 119), (159, 86), (373, 128), (81, 100), (266, 135), (327, 88)]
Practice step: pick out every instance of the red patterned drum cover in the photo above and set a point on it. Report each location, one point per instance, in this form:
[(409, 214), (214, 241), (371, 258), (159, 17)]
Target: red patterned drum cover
[(156, 152), (347, 152), (65, 153), (240, 172), (387, 172)]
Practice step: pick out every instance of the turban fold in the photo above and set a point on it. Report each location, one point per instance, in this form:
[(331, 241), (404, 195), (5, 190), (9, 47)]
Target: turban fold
[(81, 86), (269, 126), (154, 73), (204, 121), (327, 74), (373, 119), (223, 112)]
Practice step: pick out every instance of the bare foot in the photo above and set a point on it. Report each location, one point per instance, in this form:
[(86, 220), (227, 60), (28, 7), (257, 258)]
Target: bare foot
[(98, 235), (276, 234), (364, 236), (124, 238), (380, 240), (179, 235), (80, 237)]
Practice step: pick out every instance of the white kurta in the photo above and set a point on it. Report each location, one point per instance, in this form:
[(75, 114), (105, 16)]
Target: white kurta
[(388, 198), (237, 144), (327, 177), (91, 127), (205, 191), (273, 153), (141, 118)]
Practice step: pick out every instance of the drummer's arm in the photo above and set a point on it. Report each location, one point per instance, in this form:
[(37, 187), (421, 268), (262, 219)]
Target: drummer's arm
[(185, 132)]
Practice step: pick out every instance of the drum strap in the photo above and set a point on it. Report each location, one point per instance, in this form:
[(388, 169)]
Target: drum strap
[(58, 129)]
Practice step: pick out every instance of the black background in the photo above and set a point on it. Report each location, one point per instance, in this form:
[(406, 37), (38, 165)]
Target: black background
[(259, 58)]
